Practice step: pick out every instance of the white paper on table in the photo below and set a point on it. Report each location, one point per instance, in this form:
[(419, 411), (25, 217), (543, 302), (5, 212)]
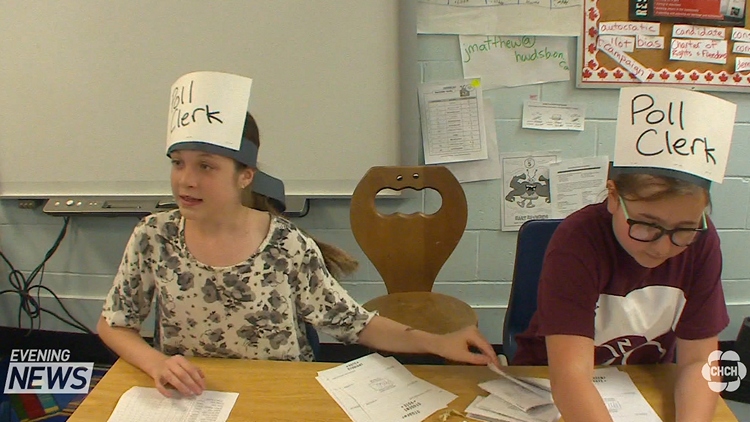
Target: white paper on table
[(335, 379), (503, 61), (452, 126), (375, 388), (515, 391), (576, 183), (546, 413), (553, 116), (622, 398), (515, 394), (489, 169), (542, 383), (147, 404), (415, 402), (526, 190), (474, 17)]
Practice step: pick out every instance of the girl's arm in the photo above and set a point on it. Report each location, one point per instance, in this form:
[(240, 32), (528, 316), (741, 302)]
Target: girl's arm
[(385, 334), (175, 371), (694, 400), (571, 369)]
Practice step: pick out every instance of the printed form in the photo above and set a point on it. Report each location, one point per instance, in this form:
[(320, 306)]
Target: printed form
[(375, 388), (147, 404), (452, 121)]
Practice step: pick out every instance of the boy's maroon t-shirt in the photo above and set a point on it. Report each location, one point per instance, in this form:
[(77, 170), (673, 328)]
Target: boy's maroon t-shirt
[(590, 286)]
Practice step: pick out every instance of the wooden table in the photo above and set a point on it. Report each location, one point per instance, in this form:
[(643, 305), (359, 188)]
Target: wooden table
[(288, 391)]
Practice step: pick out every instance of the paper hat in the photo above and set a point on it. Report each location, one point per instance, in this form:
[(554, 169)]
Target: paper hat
[(270, 187), (207, 112), (673, 132)]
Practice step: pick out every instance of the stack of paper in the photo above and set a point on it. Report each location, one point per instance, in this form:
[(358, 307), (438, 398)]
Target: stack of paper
[(375, 388), (514, 399), (529, 399)]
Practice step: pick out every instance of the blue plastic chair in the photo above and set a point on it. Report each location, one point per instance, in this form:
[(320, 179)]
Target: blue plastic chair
[(533, 237)]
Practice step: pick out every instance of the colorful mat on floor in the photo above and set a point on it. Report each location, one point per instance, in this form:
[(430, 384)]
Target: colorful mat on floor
[(41, 407)]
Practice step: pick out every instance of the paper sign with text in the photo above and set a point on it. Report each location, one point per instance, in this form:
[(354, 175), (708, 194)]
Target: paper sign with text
[(675, 129), (699, 32), (621, 42), (626, 61), (628, 28), (648, 42), (740, 34), (513, 61), (208, 107), (707, 51), (742, 64)]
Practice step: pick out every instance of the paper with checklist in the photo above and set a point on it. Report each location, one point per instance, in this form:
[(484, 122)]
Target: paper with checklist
[(147, 404), (375, 388)]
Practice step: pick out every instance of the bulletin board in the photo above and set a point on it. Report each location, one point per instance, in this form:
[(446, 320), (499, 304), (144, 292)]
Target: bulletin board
[(597, 69)]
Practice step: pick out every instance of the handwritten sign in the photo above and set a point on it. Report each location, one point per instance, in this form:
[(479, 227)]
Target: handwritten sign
[(674, 128), (622, 43), (742, 64), (648, 42), (628, 28), (741, 48), (707, 51), (702, 32), (740, 34), (624, 60), (513, 61), (208, 107)]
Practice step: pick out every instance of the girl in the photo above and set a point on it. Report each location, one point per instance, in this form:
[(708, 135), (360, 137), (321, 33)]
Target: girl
[(237, 282), (631, 280)]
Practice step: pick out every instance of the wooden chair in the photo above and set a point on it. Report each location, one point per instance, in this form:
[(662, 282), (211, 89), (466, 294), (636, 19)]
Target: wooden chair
[(409, 250)]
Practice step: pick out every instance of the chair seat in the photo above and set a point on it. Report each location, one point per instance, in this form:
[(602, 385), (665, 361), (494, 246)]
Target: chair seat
[(427, 311)]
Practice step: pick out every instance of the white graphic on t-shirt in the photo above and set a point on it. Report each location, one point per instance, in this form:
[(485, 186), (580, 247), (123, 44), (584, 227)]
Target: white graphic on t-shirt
[(648, 313)]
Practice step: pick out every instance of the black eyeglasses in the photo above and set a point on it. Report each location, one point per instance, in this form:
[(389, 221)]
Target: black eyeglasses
[(650, 232)]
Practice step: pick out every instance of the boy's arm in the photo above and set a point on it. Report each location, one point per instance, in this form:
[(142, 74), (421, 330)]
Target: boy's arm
[(693, 399), (571, 369)]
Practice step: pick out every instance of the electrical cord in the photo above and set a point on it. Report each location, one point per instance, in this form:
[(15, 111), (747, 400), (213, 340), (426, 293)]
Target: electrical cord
[(24, 287)]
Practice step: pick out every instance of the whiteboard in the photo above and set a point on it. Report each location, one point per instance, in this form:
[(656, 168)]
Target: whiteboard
[(85, 89)]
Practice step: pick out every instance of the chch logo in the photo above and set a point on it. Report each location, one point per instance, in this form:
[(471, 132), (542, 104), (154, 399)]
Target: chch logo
[(731, 372)]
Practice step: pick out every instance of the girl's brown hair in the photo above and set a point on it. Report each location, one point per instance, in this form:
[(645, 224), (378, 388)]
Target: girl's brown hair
[(338, 262), (648, 187)]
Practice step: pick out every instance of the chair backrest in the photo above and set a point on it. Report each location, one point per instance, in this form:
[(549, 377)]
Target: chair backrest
[(408, 250), (533, 237)]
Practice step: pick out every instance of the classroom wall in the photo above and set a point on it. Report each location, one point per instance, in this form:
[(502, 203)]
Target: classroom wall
[(480, 269)]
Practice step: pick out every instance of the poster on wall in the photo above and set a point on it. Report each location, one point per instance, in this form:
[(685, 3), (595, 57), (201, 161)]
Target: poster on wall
[(526, 188), (699, 12)]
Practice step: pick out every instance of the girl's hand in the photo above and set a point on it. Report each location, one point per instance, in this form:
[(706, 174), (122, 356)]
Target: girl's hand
[(178, 372), (456, 346)]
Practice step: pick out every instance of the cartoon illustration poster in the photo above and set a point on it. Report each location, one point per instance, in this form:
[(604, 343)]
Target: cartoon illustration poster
[(526, 189)]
